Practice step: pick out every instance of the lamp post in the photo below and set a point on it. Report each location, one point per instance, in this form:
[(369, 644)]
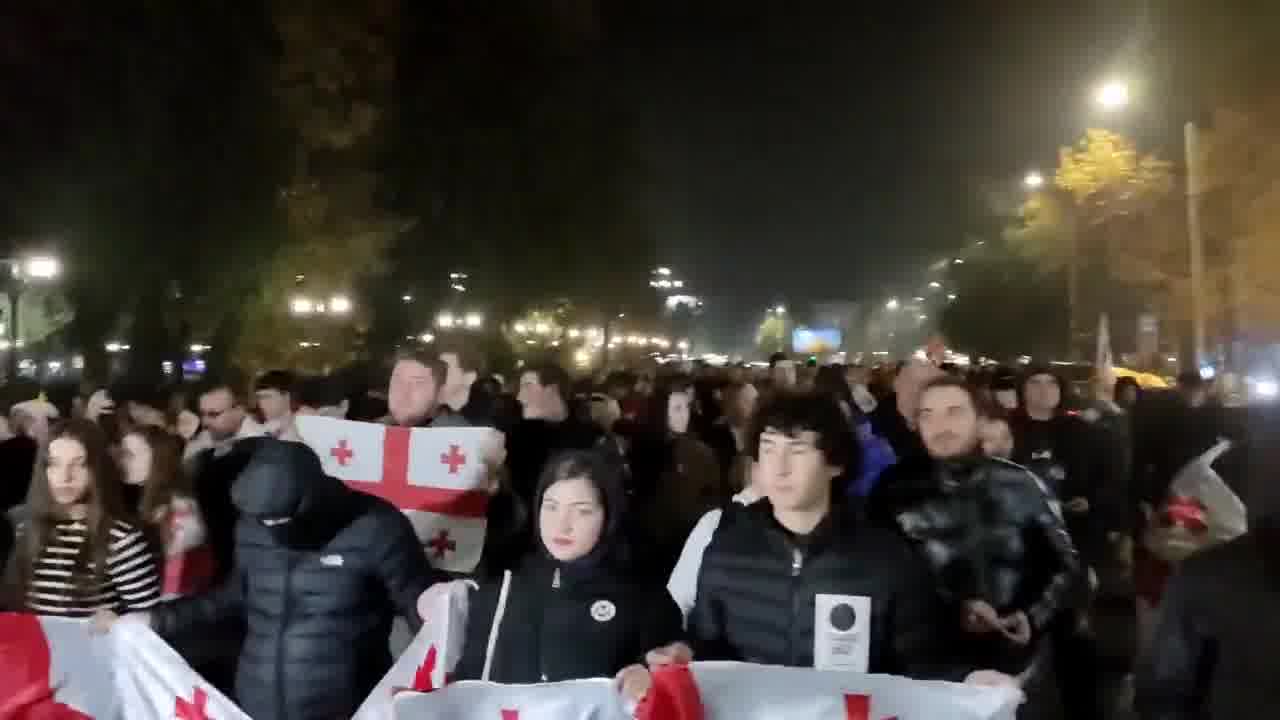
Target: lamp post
[(22, 271)]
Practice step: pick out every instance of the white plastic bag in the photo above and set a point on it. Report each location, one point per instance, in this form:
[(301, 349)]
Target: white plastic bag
[(1199, 511)]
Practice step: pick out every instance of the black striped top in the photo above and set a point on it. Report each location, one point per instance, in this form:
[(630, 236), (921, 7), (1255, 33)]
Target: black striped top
[(64, 584)]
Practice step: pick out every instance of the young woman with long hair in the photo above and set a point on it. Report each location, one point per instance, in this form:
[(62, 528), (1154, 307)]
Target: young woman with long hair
[(80, 550), (151, 458)]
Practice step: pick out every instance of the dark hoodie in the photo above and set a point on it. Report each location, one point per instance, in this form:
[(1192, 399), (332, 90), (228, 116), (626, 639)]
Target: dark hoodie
[(564, 621), (1067, 454), (320, 571)]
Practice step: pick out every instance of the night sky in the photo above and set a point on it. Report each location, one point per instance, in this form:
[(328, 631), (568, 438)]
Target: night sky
[(828, 150)]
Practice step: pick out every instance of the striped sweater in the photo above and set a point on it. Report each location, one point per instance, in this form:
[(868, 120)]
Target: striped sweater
[(64, 582)]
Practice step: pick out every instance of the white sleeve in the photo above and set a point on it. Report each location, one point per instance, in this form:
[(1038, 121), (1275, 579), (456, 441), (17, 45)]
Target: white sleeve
[(683, 585)]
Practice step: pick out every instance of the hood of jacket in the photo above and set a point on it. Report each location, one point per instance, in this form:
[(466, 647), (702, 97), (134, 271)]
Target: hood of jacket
[(284, 482)]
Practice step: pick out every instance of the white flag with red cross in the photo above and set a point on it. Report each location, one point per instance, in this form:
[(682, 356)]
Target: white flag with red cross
[(474, 700), (437, 476), (427, 663), (742, 691), (53, 669)]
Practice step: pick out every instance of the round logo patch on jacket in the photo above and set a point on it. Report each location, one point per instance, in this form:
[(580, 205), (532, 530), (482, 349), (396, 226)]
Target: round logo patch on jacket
[(603, 611)]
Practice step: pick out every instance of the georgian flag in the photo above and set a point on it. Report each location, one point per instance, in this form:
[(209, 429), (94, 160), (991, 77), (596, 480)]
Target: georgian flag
[(741, 691), (574, 700), (428, 661), (53, 669), (437, 476)]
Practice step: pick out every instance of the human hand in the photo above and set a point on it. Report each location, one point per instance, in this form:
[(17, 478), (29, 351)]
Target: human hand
[(980, 617), (994, 679), (1016, 627), (633, 682), (103, 620), (673, 654)]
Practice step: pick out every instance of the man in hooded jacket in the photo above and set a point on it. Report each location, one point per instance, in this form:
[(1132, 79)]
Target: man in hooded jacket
[(320, 570)]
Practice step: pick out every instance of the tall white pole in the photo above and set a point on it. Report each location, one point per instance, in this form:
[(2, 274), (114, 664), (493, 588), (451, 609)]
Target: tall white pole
[(1196, 241)]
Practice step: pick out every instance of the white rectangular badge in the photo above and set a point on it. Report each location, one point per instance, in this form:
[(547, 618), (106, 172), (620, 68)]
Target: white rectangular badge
[(841, 632)]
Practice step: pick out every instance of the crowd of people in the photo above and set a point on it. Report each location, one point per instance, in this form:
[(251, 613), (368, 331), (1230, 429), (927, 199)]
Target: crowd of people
[(636, 519)]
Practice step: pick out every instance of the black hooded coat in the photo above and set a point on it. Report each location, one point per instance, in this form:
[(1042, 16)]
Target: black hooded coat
[(565, 621), (320, 570)]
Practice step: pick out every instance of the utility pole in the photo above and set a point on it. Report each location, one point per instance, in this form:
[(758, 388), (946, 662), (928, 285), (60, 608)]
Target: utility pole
[(1195, 240)]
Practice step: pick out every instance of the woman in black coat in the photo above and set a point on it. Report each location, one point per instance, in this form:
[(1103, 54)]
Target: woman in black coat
[(571, 610)]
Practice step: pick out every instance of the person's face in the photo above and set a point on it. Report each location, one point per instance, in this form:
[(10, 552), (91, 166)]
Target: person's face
[(571, 519), (678, 412), (532, 397), (948, 422), (135, 459), (273, 404), (1043, 393), (1007, 398), (68, 472), (793, 472), (413, 393), (220, 414), (997, 440), (457, 382)]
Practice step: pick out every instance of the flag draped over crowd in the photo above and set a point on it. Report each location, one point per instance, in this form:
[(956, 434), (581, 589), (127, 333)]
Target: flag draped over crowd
[(53, 669), (437, 476)]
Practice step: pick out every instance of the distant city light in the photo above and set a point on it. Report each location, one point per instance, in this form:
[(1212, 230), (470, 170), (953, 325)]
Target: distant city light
[(340, 304), (444, 320), (427, 338), (664, 271), (542, 328), (474, 320), (407, 298), (520, 328), (892, 304), (951, 296), (43, 268), (1033, 180), (302, 306), (935, 285)]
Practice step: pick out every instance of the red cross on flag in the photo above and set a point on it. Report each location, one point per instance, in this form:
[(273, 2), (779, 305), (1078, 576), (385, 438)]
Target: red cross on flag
[(574, 700), (703, 691), (437, 476), (53, 669)]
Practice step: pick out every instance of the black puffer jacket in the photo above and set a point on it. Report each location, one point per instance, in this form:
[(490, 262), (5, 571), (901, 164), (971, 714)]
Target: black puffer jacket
[(563, 626), (318, 590), (758, 585), (989, 530)]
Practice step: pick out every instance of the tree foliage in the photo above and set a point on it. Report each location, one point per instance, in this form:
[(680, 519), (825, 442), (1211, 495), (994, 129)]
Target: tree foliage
[(771, 335)]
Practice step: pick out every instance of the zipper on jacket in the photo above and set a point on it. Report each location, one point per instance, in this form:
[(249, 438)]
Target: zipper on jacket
[(542, 657), (797, 565)]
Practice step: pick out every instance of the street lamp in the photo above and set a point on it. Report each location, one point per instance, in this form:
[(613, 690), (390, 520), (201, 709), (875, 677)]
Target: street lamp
[(42, 267), (340, 304), (1033, 181), (892, 304), (781, 309), (445, 320), (302, 306), (1113, 95), (474, 320), (935, 285)]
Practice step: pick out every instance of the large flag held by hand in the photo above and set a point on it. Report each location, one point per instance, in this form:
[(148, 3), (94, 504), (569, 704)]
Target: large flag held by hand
[(53, 669), (573, 700), (437, 476), (740, 691)]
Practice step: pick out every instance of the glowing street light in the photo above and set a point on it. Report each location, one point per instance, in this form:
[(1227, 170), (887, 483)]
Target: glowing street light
[(445, 320), (780, 309), (474, 320), (1033, 181), (892, 304), (42, 267), (340, 304), (427, 338), (542, 328), (935, 285), (520, 328), (663, 271), (951, 296), (406, 298), (1113, 95), (683, 345), (302, 306)]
